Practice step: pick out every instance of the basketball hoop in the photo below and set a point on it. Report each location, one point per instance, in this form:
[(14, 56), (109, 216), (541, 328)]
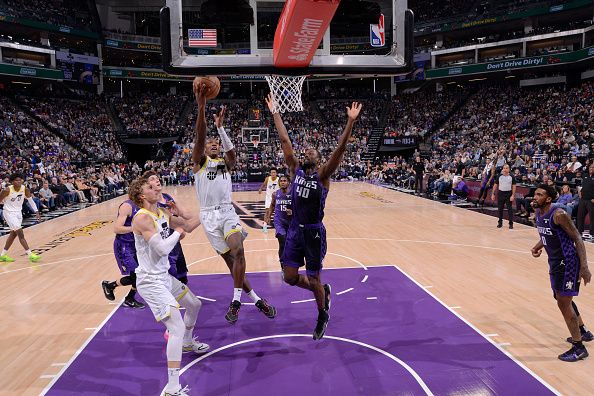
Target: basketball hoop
[(256, 142), (286, 93)]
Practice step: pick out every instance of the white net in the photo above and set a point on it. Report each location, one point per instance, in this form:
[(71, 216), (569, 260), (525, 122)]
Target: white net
[(286, 93)]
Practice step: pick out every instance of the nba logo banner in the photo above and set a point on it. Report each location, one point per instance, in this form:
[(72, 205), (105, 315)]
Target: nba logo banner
[(377, 35)]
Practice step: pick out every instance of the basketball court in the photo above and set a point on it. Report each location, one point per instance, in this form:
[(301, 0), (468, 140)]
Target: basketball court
[(427, 299)]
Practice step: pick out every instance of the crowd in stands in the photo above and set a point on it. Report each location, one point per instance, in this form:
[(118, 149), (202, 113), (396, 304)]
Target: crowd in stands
[(416, 115), (55, 171), (143, 113), (83, 123), (73, 13), (544, 133)]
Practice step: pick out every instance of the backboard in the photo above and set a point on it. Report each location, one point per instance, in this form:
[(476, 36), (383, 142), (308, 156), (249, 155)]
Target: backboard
[(243, 31)]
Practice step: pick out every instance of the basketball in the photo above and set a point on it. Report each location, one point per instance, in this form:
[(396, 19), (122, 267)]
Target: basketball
[(213, 85)]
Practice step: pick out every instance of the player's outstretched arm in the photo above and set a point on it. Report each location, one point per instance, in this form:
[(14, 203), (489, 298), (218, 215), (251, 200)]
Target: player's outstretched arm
[(562, 219), (124, 211), (334, 161), (285, 141), (4, 193), (228, 148), (198, 155)]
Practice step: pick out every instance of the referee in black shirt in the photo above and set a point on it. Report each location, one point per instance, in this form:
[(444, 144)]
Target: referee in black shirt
[(505, 185), (418, 168), (586, 201)]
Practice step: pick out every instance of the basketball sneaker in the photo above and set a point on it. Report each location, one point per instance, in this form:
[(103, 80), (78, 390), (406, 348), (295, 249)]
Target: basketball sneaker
[(185, 391), (586, 337), (266, 308), (574, 354), (132, 303), (233, 312), (196, 347), (327, 291), (320, 329), (6, 259), (34, 257), (108, 290)]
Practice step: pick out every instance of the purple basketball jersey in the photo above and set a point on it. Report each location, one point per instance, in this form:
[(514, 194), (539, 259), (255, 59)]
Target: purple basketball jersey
[(308, 198), (564, 263), (281, 218)]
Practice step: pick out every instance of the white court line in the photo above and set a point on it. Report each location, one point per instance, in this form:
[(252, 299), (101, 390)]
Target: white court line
[(246, 303), (527, 251), (57, 364), (455, 307), (502, 344), (345, 291), (414, 374), (47, 376), (91, 328), (427, 287), (372, 298), (303, 301), (506, 353), (206, 298), (78, 352), (365, 279), (492, 335)]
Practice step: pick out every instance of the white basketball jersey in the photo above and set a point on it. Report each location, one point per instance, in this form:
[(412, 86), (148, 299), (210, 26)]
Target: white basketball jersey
[(149, 262), (14, 201), (213, 183), (271, 187)]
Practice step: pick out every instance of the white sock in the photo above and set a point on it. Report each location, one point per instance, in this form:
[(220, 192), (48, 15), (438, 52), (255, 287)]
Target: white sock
[(28, 252), (237, 294), (173, 383), (188, 336), (253, 296), (4, 251)]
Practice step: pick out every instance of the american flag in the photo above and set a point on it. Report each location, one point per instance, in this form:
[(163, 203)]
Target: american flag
[(202, 37)]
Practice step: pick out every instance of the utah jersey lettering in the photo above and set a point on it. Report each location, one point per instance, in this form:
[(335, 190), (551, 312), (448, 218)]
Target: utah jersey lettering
[(213, 183), (14, 201)]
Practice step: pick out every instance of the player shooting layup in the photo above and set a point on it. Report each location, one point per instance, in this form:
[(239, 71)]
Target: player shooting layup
[(221, 223)]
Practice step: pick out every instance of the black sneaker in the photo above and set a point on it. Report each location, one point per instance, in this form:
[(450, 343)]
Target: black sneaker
[(132, 303), (108, 290), (320, 329), (266, 308), (233, 312), (327, 292), (511, 226), (574, 354), (499, 225), (586, 337)]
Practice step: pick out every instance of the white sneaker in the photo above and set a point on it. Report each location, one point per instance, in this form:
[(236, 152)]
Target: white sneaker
[(196, 347), (185, 391)]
